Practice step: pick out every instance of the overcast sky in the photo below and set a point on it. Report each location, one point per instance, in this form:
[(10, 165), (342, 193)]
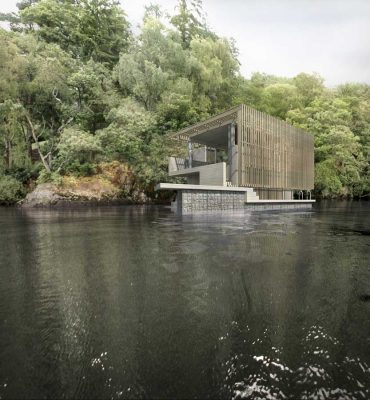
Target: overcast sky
[(285, 37)]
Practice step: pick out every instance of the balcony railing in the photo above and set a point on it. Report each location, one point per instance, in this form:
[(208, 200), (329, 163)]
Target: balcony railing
[(184, 163)]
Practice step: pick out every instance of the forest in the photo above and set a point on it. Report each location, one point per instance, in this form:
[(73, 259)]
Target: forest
[(81, 88)]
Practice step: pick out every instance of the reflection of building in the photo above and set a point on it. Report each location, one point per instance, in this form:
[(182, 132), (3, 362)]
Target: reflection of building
[(246, 148)]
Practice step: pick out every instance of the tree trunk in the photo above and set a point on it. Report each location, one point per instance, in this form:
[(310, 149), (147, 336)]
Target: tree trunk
[(10, 158), (34, 136), (7, 157)]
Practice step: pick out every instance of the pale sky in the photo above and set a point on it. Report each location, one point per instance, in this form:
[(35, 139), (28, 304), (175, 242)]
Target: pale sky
[(285, 37)]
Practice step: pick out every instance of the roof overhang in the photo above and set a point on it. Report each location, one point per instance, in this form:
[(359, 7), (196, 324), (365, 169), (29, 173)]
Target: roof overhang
[(203, 132)]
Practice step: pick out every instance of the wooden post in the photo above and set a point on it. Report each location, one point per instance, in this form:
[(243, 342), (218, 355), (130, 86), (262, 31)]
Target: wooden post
[(190, 151), (232, 154)]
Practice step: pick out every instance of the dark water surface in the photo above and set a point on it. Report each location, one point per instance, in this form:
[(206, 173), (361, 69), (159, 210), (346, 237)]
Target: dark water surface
[(133, 302)]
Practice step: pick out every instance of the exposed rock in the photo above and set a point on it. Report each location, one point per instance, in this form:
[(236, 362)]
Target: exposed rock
[(113, 183), (82, 191), (139, 197), (44, 195)]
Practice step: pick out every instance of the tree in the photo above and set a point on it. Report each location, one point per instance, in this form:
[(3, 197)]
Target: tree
[(214, 70), (129, 129), (327, 181), (12, 135), (146, 82), (95, 29), (183, 85), (251, 91), (309, 87), (340, 162), (146, 69), (10, 190), (189, 20), (77, 145), (279, 98), (91, 94), (9, 66), (39, 97)]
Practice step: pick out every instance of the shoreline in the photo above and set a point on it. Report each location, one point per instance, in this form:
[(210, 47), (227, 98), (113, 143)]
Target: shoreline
[(75, 203)]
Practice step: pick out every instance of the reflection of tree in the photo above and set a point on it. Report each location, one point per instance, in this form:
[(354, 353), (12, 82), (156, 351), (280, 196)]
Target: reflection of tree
[(246, 292), (33, 308)]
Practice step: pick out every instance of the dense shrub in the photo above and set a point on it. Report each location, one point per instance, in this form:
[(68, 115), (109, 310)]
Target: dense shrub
[(77, 145), (50, 177), (11, 190), (24, 174), (80, 169)]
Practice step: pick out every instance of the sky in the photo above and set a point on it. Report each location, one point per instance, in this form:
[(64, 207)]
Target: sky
[(285, 37)]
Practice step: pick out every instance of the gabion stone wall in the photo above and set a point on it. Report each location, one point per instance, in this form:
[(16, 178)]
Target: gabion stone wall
[(209, 200)]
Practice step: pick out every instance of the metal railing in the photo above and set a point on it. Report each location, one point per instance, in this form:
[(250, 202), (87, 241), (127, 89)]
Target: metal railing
[(196, 163), (180, 163), (184, 163)]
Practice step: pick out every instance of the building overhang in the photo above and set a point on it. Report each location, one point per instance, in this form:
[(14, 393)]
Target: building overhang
[(211, 132), (216, 138)]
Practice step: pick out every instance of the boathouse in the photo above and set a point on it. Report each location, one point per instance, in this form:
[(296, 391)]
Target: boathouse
[(244, 152)]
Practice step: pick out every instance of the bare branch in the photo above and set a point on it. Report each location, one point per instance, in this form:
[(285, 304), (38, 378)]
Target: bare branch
[(55, 94), (65, 124), (35, 138)]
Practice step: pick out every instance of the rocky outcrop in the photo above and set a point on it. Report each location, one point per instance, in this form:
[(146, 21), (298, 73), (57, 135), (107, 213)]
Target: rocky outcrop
[(113, 183), (44, 195), (51, 195)]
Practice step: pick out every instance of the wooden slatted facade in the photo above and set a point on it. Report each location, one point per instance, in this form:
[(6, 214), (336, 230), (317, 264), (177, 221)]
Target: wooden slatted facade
[(272, 153), (267, 153)]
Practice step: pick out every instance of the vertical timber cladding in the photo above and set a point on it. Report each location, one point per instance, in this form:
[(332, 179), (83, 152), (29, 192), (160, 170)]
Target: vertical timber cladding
[(233, 155), (272, 153)]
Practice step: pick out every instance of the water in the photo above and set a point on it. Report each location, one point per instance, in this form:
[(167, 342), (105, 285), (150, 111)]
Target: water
[(132, 302)]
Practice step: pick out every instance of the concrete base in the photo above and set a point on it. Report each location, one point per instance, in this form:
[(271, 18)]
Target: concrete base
[(289, 205)]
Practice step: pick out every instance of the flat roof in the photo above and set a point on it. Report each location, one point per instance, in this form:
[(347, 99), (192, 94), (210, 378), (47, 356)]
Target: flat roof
[(208, 125), (215, 123)]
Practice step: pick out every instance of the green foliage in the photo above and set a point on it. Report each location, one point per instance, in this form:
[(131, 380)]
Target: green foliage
[(91, 87), (152, 162), (49, 177), (78, 168), (132, 136), (129, 130), (86, 29), (24, 174), (279, 98), (182, 85), (11, 190), (190, 21), (327, 181), (77, 88), (342, 160), (309, 87), (75, 148), (12, 138)]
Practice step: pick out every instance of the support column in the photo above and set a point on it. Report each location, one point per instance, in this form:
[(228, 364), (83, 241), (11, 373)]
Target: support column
[(232, 155), (190, 152)]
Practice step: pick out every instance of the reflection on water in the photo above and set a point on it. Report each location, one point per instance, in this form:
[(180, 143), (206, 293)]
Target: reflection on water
[(132, 302), (259, 370)]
